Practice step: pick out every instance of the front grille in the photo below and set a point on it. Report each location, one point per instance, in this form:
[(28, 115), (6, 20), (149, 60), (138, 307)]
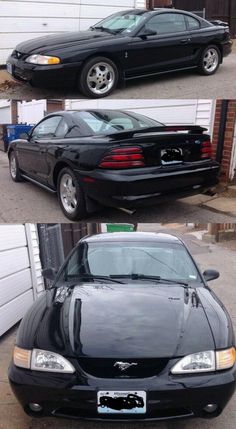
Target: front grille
[(106, 368)]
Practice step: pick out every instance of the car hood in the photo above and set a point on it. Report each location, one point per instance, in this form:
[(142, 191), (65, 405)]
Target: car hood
[(101, 320), (54, 42)]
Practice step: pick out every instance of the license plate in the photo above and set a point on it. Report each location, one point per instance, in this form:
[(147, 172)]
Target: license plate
[(172, 156), (9, 68), (117, 402)]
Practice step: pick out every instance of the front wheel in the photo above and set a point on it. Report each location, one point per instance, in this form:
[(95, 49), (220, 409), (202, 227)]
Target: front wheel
[(70, 195), (98, 78), (14, 167), (210, 61)]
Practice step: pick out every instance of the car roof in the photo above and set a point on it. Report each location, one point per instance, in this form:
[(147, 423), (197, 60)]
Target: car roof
[(158, 9), (157, 237)]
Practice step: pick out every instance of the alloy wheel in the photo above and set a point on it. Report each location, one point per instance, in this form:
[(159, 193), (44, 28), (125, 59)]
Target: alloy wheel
[(211, 60), (68, 194), (101, 78), (13, 167)]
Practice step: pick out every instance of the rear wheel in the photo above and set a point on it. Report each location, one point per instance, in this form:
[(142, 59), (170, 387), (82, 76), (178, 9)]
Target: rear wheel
[(210, 60), (98, 78), (70, 195), (14, 167)]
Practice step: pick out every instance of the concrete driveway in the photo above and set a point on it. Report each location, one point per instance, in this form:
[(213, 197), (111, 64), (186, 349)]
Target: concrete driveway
[(187, 84), (25, 202), (214, 256)]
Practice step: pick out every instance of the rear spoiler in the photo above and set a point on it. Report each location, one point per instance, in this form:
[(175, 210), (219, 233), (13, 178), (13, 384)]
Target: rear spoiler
[(219, 22), (192, 129)]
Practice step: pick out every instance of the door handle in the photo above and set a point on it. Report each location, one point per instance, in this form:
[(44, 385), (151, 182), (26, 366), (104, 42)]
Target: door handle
[(185, 41)]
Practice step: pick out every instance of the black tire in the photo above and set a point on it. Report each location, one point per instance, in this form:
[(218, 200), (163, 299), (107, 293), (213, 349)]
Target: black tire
[(114, 76), (14, 169), (79, 211), (202, 68)]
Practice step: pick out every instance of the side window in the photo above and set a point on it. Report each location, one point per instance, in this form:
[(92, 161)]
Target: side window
[(46, 128), (166, 23), (193, 23), (62, 129)]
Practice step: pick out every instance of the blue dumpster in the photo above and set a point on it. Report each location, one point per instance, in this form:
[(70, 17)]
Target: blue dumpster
[(14, 131)]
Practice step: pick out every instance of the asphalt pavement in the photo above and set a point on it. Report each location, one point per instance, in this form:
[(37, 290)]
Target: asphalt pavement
[(184, 84), (207, 256)]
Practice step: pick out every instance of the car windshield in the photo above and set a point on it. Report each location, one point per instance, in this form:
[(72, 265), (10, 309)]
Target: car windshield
[(120, 23), (129, 261), (110, 122)]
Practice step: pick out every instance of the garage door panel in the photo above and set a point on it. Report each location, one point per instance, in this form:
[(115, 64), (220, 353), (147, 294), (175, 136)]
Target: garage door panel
[(14, 285), (13, 261), (14, 310)]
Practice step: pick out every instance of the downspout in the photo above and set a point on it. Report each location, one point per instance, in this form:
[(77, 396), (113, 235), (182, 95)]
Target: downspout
[(222, 130)]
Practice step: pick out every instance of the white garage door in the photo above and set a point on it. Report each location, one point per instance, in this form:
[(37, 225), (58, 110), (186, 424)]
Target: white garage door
[(5, 112), (20, 273), (170, 112), (25, 19)]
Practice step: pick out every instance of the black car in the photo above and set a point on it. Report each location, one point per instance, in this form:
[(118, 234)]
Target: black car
[(124, 46), (113, 158), (136, 299)]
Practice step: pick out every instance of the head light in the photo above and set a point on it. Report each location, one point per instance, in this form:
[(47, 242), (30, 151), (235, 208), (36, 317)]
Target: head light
[(205, 362), (41, 360), (42, 60)]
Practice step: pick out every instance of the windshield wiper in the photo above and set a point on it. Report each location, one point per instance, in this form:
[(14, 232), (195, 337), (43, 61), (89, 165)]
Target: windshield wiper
[(100, 27), (159, 279), (92, 277)]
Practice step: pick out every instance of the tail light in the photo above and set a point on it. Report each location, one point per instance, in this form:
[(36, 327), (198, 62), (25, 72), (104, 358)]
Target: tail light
[(127, 157), (206, 150)]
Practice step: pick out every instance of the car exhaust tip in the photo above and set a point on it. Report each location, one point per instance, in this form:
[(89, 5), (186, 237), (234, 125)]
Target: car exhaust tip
[(36, 408), (211, 408)]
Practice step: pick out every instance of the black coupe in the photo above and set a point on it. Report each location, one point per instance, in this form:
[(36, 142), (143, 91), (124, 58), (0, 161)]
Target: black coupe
[(113, 158), (129, 316), (124, 46)]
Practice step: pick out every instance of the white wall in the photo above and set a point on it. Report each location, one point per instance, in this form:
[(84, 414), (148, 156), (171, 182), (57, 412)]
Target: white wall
[(5, 111), (20, 272), (30, 112), (169, 111), (26, 19)]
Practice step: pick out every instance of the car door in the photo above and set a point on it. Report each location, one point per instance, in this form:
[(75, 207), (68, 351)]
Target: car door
[(164, 43), (200, 37), (32, 154)]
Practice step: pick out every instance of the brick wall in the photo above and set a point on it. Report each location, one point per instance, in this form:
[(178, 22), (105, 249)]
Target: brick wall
[(158, 3), (229, 136), (14, 112)]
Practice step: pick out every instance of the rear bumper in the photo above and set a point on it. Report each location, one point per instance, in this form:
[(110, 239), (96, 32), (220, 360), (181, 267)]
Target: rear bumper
[(64, 75), (137, 187), (168, 397)]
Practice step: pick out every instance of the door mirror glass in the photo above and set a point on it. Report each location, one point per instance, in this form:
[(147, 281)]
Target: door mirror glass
[(211, 275), (24, 136), (49, 273), (145, 32)]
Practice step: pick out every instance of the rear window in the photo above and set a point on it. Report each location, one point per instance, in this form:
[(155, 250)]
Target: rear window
[(110, 122)]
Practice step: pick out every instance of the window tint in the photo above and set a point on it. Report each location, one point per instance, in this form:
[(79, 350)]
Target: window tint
[(167, 23), (193, 23), (46, 128), (62, 129)]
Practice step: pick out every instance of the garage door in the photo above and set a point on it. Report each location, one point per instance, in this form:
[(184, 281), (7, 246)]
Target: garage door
[(5, 112), (26, 19), (16, 291), (170, 112)]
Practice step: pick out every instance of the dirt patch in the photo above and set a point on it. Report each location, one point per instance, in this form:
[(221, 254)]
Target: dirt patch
[(8, 84)]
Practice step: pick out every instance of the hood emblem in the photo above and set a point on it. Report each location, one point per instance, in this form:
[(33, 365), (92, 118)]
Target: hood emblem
[(123, 366)]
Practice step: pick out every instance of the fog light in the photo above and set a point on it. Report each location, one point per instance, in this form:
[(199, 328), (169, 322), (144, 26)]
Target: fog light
[(211, 408), (35, 407)]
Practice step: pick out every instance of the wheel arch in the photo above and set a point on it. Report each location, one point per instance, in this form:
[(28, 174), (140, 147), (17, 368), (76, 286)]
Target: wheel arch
[(58, 167), (111, 57)]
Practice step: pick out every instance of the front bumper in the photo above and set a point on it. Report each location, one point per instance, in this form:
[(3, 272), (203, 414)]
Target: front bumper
[(142, 187), (168, 397), (64, 75)]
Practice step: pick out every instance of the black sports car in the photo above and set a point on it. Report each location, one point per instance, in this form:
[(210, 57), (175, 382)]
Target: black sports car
[(124, 46), (113, 158), (127, 313)]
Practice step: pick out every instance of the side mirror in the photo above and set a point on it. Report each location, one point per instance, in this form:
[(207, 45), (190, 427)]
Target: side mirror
[(49, 273), (24, 136), (147, 32), (211, 275)]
